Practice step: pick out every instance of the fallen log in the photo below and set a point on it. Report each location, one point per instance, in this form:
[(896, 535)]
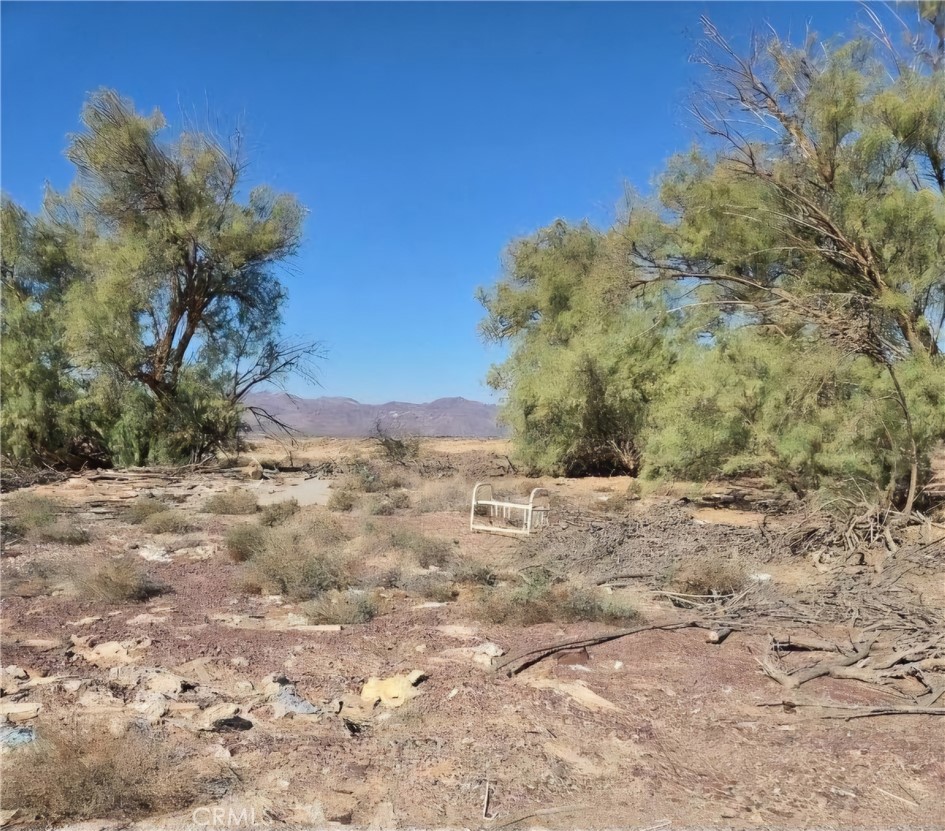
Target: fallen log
[(791, 641)]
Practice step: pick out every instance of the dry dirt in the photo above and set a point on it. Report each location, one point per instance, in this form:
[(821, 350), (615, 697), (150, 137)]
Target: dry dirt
[(659, 730)]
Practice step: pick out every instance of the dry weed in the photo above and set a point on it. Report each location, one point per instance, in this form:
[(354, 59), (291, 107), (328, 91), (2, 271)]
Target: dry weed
[(244, 541), (710, 575), (342, 607), (428, 551), (296, 565), (233, 502), (118, 581), (167, 522), (72, 774), (278, 513), (143, 507)]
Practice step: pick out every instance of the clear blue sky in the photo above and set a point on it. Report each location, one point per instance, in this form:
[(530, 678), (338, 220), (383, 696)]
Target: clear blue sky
[(422, 137)]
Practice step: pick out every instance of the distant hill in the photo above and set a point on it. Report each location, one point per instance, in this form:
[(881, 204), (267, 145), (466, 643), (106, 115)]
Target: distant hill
[(345, 417)]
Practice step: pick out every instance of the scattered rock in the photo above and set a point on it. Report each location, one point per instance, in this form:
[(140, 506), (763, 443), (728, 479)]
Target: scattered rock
[(144, 619), (253, 470), (453, 631), (110, 653), (154, 553), (223, 718), (575, 690), (11, 678), (85, 621), (284, 698), (394, 691), (486, 653), (17, 711), (11, 737)]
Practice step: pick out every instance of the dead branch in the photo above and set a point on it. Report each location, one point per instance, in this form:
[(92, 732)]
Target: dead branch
[(795, 679), (533, 656)]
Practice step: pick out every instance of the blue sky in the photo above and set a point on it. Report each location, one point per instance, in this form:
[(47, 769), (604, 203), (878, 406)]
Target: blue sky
[(421, 136)]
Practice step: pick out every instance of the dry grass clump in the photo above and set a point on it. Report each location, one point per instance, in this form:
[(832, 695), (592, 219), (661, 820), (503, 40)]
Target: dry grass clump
[(143, 507), (32, 579), (278, 513), (389, 503), (444, 495), (537, 600), (294, 564), (341, 607), (342, 500), (436, 587), (167, 522), (117, 581), (72, 774), (428, 551), (233, 502), (708, 576), (244, 541), (62, 531), (28, 512), (474, 574)]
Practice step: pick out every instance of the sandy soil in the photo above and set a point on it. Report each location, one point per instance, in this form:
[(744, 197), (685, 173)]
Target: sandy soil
[(657, 730)]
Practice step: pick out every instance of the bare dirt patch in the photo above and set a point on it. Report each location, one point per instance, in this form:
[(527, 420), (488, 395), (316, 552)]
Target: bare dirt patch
[(658, 728)]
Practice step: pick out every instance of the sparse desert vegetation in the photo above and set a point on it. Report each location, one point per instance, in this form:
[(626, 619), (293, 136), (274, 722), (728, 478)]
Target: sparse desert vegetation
[(685, 569)]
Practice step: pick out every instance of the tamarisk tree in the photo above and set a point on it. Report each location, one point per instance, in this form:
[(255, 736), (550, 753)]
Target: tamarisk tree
[(172, 311)]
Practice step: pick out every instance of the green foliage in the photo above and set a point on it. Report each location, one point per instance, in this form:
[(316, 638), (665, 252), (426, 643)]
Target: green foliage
[(142, 305), (780, 311)]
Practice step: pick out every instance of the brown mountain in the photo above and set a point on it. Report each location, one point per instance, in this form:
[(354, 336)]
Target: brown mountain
[(345, 417)]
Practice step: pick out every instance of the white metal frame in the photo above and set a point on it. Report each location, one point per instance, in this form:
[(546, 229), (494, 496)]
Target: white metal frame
[(535, 511)]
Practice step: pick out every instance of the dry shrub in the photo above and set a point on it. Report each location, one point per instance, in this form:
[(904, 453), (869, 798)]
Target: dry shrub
[(436, 587), (118, 581), (234, 501), (474, 574), (428, 551), (389, 504), (296, 565), (342, 500), (28, 511), (63, 531), (444, 495), (711, 575), (537, 600), (31, 579), (143, 507), (244, 541), (167, 522), (341, 607), (278, 513), (72, 774)]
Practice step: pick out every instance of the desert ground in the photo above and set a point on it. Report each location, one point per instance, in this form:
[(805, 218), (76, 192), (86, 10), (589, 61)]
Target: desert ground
[(188, 648)]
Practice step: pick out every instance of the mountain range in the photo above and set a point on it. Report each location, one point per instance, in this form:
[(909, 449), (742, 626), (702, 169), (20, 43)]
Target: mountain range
[(345, 417)]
